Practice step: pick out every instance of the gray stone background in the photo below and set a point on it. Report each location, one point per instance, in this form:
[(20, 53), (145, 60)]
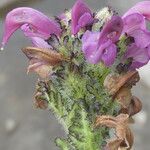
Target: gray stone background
[(21, 125)]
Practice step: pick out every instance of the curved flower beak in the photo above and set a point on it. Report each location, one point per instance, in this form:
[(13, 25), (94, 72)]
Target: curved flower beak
[(81, 16), (40, 25)]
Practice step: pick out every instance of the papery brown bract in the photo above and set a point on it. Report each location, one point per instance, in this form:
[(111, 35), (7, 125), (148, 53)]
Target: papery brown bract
[(124, 137), (134, 107), (114, 82), (41, 60)]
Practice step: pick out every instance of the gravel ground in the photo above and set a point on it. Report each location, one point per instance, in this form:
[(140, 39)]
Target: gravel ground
[(23, 127)]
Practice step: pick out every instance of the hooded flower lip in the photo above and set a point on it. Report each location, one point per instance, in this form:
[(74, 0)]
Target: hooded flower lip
[(135, 26), (139, 56), (40, 25), (112, 30), (51, 43), (133, 22), (141, 38), (36, 41), (100, 46), (81, 16)]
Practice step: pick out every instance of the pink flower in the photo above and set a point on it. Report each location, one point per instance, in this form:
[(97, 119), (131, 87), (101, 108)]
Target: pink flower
[(81, 16), (100, 46), (135, 26), (39, 24), (135, 23)]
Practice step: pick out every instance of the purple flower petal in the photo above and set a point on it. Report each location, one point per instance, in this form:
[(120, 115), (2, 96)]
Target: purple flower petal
[(112, 30), (133, 22), (148, 49), (36, 41), (97, 56), (78, 14), (90, 44), (141, 8), (135, 26), (100, 46), (95, 53), (85, 19), (141, 37), (109, 55), (38, 22), (39, 42), (139, 55)]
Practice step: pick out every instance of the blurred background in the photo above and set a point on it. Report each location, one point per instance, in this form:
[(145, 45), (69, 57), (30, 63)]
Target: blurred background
[(21, 125)]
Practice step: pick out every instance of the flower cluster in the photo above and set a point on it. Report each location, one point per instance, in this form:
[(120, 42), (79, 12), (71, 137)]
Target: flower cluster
[(97, 44)]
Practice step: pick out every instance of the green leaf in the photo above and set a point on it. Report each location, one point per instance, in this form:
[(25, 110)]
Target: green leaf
[(62, 144)]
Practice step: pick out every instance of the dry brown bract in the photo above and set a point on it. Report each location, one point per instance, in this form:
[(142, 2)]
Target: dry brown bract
[(114, 82), (134, 107), (42, 60), (119, 86), (124, 137)]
